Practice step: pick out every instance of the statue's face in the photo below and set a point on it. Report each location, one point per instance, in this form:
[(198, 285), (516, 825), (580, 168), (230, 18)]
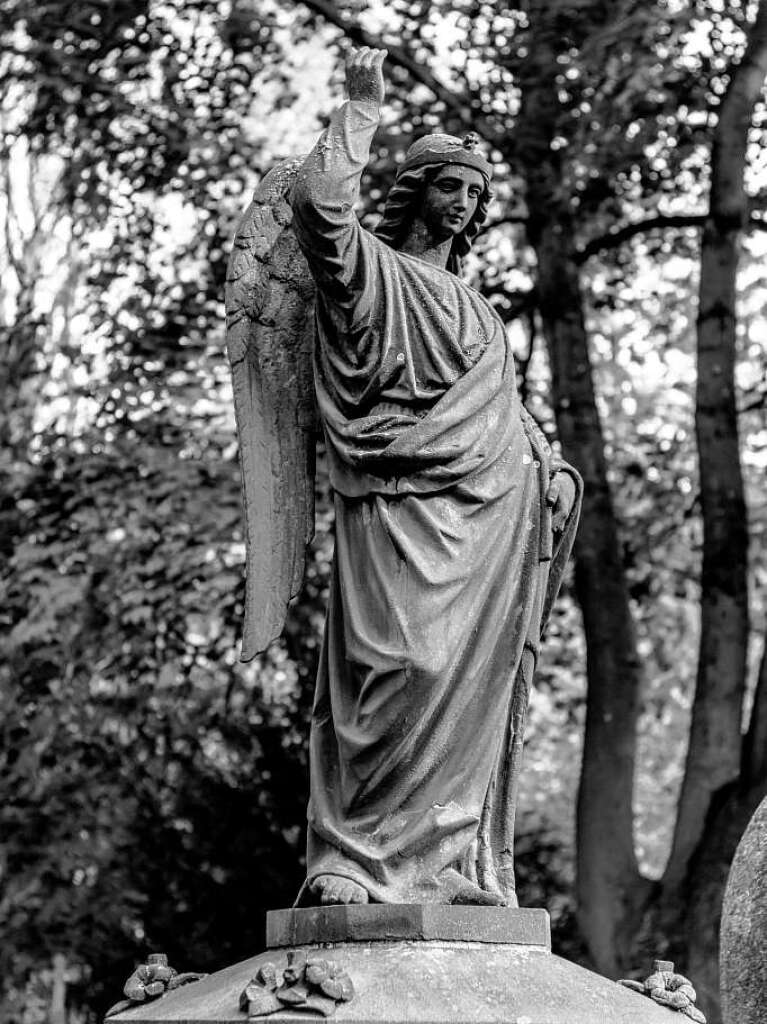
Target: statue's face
[(451, 200)]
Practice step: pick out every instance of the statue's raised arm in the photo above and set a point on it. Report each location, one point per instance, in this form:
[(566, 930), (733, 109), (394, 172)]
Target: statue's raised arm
[(453, 519)]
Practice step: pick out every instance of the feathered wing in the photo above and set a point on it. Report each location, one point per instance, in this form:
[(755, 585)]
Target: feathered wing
[(270, 338)]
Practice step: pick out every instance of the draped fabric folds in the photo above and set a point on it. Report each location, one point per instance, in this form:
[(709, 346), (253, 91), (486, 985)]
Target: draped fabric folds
[(445, 564)]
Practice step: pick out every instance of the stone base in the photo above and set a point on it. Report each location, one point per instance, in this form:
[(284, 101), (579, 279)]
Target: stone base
[(419, 965), (382, 922)]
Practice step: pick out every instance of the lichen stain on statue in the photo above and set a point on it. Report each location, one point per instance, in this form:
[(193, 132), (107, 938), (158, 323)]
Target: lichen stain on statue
[(454, 520)]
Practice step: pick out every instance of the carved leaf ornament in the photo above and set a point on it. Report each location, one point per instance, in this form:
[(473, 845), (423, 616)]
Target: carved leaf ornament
[(308, 983), (668, 989), (150, 981)]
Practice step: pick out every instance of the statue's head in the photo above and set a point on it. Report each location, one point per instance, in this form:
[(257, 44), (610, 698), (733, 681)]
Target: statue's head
[(435, 167)]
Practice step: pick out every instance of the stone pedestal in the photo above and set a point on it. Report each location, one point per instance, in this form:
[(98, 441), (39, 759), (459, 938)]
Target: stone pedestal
[(419, 965)]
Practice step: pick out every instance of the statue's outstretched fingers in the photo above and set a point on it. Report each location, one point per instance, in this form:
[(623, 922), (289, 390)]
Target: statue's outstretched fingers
[(353, 56)]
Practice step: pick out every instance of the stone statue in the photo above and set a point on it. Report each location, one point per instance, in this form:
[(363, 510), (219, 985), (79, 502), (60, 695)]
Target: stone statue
[(454, 520), (743, 935)]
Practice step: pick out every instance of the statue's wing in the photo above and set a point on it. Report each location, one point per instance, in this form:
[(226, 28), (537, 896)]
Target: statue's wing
[(270, 338)]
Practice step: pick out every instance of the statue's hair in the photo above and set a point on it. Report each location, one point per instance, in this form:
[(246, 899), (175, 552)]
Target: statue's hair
[(405, 201)]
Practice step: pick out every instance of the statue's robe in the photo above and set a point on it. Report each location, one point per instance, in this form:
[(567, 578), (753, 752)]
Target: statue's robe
[(444, 566)]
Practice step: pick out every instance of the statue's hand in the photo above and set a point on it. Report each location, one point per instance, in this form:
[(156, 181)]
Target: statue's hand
[(364, 75), (560, 497)]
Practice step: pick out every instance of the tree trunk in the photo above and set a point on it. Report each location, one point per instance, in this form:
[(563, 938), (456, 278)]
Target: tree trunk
[(730, 813), (713, 757), (725, 778), (610, 890), (19, 339), (754, 764)]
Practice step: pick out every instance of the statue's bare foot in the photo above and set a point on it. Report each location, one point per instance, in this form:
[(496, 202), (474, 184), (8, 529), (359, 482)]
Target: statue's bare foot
[(472, 895), (331, 889)]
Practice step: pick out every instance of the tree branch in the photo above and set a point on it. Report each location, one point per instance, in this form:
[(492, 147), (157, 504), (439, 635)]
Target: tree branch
[(617, 236), (756, 403), (523, 363), (512, 218), (513, 303), (468, 112)]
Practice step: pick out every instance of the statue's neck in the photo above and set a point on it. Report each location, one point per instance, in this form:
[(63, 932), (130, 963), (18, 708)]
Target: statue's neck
[(421, 243)]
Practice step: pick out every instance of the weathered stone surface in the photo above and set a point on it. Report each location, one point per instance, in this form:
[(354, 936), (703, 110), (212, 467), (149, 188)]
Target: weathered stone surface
[(292, 994), (184, 979), (262, 1003), (743, 938), (378, 922), (323, 1006), (667, 988), (306, 982), (427, 982), (124, 1004), (317, 971), (296, 966), (153, 978), (269, 976), (251, 992)]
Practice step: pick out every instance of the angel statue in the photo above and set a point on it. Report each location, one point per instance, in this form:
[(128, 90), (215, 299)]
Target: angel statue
[(453, 519)]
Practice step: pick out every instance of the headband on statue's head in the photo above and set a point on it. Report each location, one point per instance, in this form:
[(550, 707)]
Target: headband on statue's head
[(447, 149)]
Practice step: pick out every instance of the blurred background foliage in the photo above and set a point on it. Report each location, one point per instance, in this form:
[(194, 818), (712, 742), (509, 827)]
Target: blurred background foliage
[(152, 788)]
